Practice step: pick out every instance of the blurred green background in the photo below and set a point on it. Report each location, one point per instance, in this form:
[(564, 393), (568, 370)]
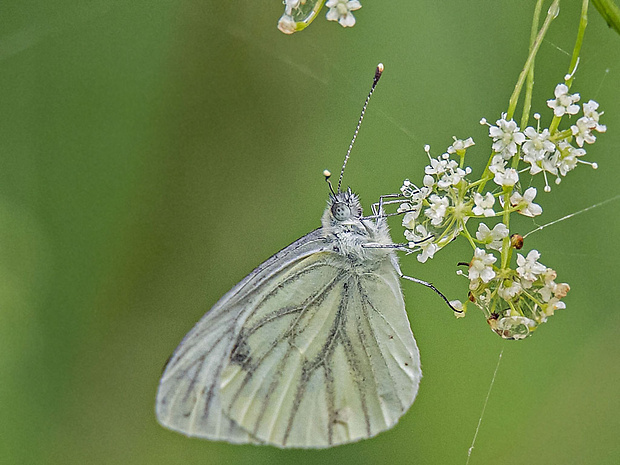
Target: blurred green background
[(153, 153)]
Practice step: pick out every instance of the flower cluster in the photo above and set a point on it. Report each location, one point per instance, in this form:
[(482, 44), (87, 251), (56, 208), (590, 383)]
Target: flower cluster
[(518, 293), (514, 301), (298, 14), (548, 153)]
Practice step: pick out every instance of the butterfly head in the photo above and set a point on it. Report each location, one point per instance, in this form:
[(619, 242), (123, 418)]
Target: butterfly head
[(343, 208)]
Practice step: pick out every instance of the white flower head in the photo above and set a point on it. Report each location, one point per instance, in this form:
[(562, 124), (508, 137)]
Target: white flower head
[(569, 157), (589, 111), (420, 194), (458, 305), (452, 177), (408, 188), (484, 205), (437, 210), (563, 103), (529, 268), (509, 289), (428, 181), (460, 146), (340, 10), (492, 238), (287, 24), (525, 202), (497, 164), (409, 218), (582, 130), (481, 266), (506, 136), (437, 167), (536, 145), (421, 239), (507, 177), (560, 290), (290, 5)]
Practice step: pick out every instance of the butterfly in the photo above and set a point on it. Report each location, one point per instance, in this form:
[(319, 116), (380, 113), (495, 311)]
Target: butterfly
[(312, 349)]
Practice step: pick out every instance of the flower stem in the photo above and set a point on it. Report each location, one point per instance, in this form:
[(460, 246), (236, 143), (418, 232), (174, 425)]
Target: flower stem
[(583, 22), (529, 88), (552, 13)]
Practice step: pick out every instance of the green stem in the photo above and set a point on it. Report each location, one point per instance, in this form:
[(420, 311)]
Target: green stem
[(583, 22), (506, 221), (465, 232), (514, 98), (552, 13), (529, 88), (610, 12)]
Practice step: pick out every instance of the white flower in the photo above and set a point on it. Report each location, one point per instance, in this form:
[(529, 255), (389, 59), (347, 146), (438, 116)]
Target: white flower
[(460, 146), (290, 5), (420, 194), (506, 178), (589, 111), (526, 203), (561, 289), (492, 238), (404, 207), (497, 164), (437, 210), (340, 10), (484, 205), (428, 181), (553, 305), (407, 189), (409, 219), (437, 167), (529, 268), (452, 178), (458, 305), (506, 137), (287, 24), (568, 159), (423, 240), (481, 266), (509, 289), (537, 145), (582, 130), (564, 103)]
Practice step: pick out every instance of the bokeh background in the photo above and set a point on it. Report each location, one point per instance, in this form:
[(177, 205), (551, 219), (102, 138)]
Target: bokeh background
[(153, 153)]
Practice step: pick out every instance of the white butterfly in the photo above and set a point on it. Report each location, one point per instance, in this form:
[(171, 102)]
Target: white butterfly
[(312, 349)]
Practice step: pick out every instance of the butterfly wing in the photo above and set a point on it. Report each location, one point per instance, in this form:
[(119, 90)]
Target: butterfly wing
[(188, 398), (327, 359)]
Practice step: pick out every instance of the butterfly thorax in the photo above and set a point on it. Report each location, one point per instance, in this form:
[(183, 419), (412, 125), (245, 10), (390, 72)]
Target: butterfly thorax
[(357, 240)]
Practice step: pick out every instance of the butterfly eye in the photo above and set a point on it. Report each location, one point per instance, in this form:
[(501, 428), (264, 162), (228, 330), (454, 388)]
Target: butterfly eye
[(341, 211)]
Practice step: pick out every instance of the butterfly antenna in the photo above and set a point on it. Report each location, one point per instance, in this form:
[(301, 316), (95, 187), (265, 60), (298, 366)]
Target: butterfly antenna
[(328, 175), (378, 72)]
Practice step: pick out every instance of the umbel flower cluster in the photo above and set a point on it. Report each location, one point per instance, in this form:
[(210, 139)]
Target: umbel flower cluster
[(298, 14), (518, 293)]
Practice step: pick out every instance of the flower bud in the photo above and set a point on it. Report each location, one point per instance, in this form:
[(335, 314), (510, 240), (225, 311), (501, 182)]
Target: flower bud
[(516, 241)]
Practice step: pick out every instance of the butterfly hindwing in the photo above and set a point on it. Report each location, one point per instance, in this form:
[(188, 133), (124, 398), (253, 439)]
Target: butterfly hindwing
[(324, 359)]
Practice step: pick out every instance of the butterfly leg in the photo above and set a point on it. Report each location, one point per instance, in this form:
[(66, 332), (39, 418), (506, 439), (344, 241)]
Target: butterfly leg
[(425, 283), (377, 207), (429, 285)]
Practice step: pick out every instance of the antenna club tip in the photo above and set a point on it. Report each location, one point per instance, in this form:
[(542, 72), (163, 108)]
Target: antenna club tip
[(378, 72), (327, 174)]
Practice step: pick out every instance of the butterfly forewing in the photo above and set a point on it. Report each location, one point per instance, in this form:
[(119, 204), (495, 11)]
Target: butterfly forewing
[(188, 398), (324, 359)]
